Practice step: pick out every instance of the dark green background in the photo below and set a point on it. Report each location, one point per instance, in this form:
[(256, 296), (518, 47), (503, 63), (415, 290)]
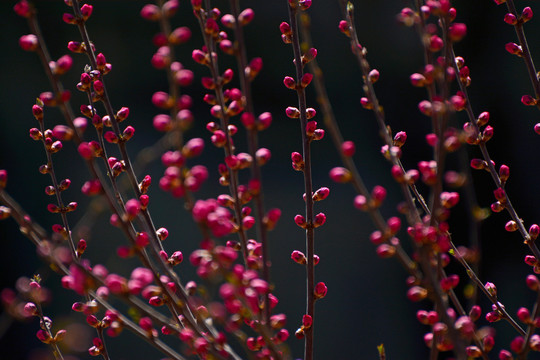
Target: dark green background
[(366, 303)]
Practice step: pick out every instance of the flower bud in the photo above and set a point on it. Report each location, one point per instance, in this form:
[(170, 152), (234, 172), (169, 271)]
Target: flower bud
[(514, 49), (292, 112), (246, 16), (298, 257), (491, 289), (526, 14), (417, 293), (340, 175), (320, 290), (29, 42), (150, 12), (511, 226)]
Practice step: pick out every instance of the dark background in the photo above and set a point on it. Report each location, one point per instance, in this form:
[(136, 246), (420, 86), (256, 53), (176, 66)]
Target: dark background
[(366, 303)]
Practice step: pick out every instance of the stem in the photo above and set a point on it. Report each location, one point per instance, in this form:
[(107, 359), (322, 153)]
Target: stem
[(337, 138), (525, 49), (308, 186), (531, 328), (224, 124), (56, 350), (252, 138), (360, 53), (493, 172)]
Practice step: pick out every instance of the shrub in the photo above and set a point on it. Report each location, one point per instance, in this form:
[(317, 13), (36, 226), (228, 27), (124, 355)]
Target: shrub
[(185, 157)]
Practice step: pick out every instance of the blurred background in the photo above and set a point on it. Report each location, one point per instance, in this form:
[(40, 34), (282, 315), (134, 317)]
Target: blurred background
[(366, 303)]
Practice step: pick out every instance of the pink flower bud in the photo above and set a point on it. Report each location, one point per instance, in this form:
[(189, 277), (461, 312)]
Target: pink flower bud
[(534, 231), (534, 342), (366, 103), (320, 290), (145, 323), (321, 194), (417, 80), (265, 119), (199, 56), (517, 344), (150, 12), (142, 239), (193, 148), (319, 220), (511, 226), (385, 251), (310, 55), (92, 320), (449, 199), (246, 16), (435, 43), (248, 222), (473, 351), (180, 35), (524, 315), (162, 233), (449, 282), (298, 257), (292, 112), (133, 207), (76, 47), (425, 107), (310, 113), (514, 49), (128, 133), (532, 282), (43, 336), (156, 301), (305, 81), (162, 122), (228, 21), (530, 260), (417, 293), (457, 31), (510, 19), (111, 137), (394, 224), (478, 164), (340, 175), (475, 313), (526, 14), (86, 11), (3, 178), (398, 173), (528, 100), (491, 289), (500, 194), (81, 247), (373, 76), (31, 309), (297, 161), (176, 258), (29, 42), (285, 28), (361, 202), (263, 155), (23, 9), (170, 8), (307, 321), (78, 307), (300, 221), (161, 100)]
